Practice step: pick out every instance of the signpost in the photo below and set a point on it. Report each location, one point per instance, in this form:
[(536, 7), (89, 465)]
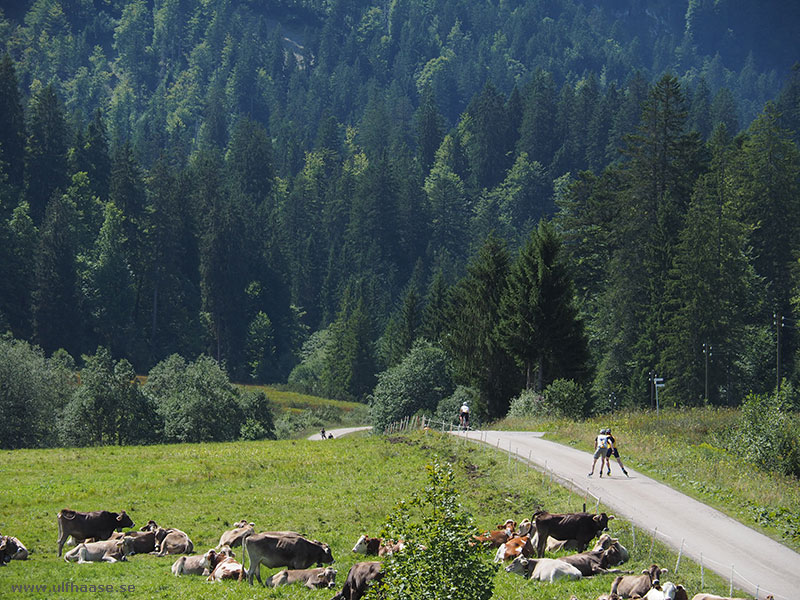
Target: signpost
[(658, 382)]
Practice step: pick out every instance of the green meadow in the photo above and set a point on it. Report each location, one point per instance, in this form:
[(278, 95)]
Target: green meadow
[(332, 491)]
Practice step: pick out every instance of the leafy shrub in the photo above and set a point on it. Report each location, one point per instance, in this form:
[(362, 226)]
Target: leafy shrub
[(418, 383), (306, 377), (447, 410), (440, 559), (566, 398), (528, 404), (768, 433), (259, 418), (195, 400), (33, 391), (108, 407)]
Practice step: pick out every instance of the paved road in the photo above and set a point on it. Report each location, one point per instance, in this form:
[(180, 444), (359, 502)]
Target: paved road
[(337, 433), (758, 561)]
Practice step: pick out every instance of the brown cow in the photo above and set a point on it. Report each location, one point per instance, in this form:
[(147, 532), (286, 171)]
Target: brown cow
[(233, 537), (139, 542), (200, 565), (172, 541), (223, 565), (569, 526), (282, 549), (630, 586), (321, 577), (98, 524), (371, 546), (360, 576), (11, 549), (594, 562), (516, 546)]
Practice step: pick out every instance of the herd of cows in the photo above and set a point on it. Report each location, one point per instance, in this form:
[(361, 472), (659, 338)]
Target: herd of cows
[(98, 536)]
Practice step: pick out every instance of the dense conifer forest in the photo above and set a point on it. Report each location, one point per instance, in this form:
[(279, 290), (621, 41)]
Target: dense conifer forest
[(337, 195)]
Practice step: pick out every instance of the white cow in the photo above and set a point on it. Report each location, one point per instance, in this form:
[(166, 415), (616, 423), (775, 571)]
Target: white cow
[(543, 569)]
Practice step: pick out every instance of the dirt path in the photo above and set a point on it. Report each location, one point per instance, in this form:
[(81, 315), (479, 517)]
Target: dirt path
[(759, 563)]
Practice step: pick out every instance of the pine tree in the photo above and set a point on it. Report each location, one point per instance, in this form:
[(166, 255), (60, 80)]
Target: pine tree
[(12, 126), (539, 324), (430, 129), (56, 315), (473, 315), (45, 151)]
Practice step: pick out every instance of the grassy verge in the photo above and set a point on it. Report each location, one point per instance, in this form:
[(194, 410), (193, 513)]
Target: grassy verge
[(332, 491), (683, 448)]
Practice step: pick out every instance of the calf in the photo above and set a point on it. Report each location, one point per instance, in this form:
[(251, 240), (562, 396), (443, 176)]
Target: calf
[(233, 537), (200, 565), (568, 526), (172, 541), (543, 569), (593, 562), (669, 591), (360, 576), (517, 546), (11, 549), (105, 551), (321, 577), (139, 542), (630, 586), (606, 542), (499, 536), (369, 546), (225, 567), (98, 524)]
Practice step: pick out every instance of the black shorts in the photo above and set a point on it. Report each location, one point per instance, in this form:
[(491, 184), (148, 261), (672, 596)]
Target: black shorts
[(611, 451)]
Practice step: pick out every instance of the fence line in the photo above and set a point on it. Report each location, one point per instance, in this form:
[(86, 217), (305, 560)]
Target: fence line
[(423, 423)]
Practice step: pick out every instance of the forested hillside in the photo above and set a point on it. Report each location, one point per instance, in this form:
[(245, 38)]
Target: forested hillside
[(336, 193)]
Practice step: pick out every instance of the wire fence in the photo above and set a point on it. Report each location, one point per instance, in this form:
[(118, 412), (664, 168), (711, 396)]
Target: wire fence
[(734, 578)]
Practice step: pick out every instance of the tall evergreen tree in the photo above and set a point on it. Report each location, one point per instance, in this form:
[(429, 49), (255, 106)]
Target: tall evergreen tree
[(539, 324), (473, 315), (56, 315), (45, 151), (12, 127)]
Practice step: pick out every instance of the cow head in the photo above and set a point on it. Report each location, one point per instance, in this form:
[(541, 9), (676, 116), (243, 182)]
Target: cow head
[(123, 520), (327, 555), (361, 545), (209, 559), (655, 573), (126, 545), (521, 565), (601, 521), (151, 526), (525, 527), (328, 577)]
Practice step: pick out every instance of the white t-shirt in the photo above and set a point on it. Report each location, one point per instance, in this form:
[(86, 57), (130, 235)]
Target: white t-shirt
[(602, 441), (464, 408)]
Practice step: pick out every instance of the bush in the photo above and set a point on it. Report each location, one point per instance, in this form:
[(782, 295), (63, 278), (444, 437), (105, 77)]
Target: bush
[(259, 418), (195, 400), (566, 398), (440, 559), (447, 410), (768, 432), (528, 404), (108, 407), (33, 391), (417, 384)]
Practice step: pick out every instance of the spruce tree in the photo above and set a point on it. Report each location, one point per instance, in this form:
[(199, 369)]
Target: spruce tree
[(12, 127), (45, 151)]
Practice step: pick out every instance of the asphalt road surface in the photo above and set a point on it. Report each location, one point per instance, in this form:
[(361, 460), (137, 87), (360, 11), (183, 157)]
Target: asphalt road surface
[(759, 563), (723, 545)]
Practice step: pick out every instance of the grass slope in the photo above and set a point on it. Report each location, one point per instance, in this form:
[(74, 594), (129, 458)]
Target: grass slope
[(331, 491)]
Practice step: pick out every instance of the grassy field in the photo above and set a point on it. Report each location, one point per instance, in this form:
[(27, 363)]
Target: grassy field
[(332, 491), (683, 448)]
